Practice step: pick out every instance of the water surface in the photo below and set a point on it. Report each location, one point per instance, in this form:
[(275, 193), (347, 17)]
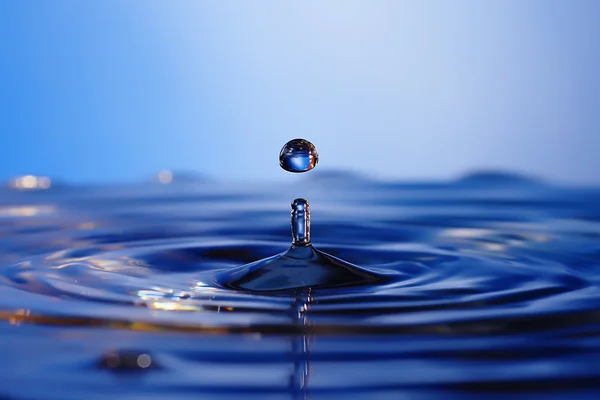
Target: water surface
[(491, 290)]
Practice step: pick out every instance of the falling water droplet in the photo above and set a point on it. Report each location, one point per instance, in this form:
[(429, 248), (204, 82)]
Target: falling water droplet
[(298, 155)]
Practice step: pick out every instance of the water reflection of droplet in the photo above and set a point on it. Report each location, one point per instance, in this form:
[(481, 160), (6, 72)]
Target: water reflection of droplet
[(298, 155)]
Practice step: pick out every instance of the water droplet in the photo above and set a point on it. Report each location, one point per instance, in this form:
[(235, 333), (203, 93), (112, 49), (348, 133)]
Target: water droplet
[(298, 155)]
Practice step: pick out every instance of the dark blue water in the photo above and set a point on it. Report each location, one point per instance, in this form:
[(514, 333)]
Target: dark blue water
[(491, 290)]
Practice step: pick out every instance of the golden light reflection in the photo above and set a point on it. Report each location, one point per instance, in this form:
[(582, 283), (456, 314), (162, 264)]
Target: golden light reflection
[(95, 263), (16, 319), (203, 328), (507, 238), (165, 176), (30, 182), (491, 246), (44, 182), (467, 232), (174, 306), (26, 211), (498, 242), (121, 264)]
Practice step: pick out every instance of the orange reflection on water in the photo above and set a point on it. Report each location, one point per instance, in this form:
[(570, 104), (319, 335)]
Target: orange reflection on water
[(15, 320)]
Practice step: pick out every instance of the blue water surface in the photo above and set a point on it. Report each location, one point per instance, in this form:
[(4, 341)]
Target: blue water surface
[(492, 290)]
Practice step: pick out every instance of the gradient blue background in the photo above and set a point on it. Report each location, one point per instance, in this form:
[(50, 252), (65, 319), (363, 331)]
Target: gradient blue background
[(113, 90)]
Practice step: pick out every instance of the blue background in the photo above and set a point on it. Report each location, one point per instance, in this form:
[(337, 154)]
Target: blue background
[(95, 91)]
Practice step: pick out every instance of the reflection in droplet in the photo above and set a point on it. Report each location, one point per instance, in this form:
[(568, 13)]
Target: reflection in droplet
[(298, 155)]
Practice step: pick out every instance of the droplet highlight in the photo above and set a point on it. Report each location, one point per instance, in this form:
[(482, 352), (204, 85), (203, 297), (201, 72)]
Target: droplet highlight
[(298, 155)]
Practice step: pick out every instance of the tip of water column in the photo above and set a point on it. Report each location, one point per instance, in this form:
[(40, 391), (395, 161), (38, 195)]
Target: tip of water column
[(299, 205)]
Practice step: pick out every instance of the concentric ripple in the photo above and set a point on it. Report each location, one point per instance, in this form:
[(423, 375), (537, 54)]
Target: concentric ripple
[(483, 289)]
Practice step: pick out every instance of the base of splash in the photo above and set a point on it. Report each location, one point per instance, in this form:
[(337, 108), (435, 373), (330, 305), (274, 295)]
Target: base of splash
[(298, 267)]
